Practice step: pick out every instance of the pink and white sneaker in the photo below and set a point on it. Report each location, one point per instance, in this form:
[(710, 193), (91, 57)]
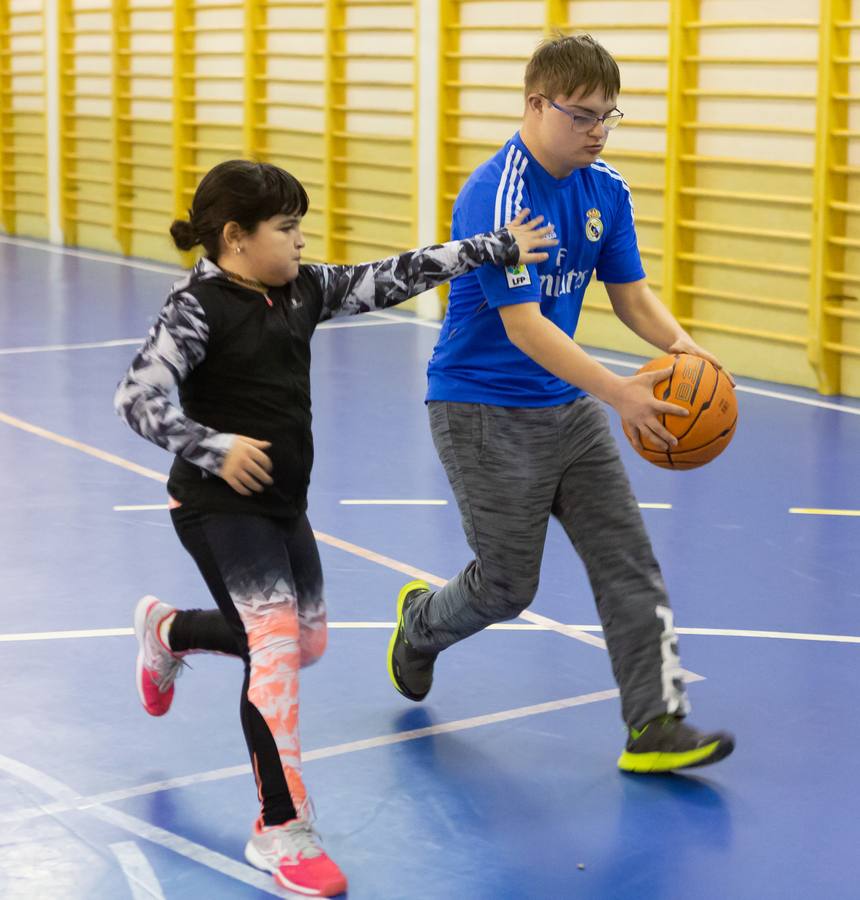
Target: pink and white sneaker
[(292, 853), (157, 665)]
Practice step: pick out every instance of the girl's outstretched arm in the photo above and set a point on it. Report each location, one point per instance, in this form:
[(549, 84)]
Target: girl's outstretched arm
[(348, 290)]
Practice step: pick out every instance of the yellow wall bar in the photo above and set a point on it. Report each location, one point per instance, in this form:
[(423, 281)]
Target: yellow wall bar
[(65, 83), (183, 133), (555, 15), (832, 79), (23, 119), (680, 143), (7, 214), (121, 109), (449, 93), (333, 95), (448, 77), (723, 235), (256, 42), (416, 112)]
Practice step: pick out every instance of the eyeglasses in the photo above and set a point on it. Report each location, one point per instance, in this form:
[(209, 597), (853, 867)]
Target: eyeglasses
[(583, 123)]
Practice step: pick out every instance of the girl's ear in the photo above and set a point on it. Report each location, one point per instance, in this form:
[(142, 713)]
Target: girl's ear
[(231, 235)]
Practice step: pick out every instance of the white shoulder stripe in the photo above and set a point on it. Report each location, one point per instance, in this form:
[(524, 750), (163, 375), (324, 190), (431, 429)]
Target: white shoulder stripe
[(497, 213), (518, 203), (516, 185), (511, 186), (600, 166), (602, 163)]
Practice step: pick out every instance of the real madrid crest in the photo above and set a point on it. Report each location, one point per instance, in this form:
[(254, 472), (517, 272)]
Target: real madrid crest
[(593, 225)]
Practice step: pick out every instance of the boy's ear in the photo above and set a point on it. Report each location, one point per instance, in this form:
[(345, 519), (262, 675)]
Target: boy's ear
[(535, 103)]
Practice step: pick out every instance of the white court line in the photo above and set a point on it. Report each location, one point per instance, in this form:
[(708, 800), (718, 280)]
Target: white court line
[(203, 855), (776, 635), (139, 874), (60, 635), (498, 626), (759, 392), (329, 326), (354, 549), (150, 506), (49, 348), (803, 511), (625, 364), (126, 632), (68, 800), (413, 572), (416, 321), (141, 507), (190, 850), (136, 342), (581, 635), (393, 502), (93, 257)]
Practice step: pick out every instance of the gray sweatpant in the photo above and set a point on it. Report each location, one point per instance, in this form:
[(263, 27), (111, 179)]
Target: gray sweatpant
[(510, 468)]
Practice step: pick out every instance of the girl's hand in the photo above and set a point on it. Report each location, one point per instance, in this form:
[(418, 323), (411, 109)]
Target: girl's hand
[(246, 467), (529, 236)]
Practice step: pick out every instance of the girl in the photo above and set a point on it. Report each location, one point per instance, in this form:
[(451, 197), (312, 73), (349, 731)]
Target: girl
[(234, 337)]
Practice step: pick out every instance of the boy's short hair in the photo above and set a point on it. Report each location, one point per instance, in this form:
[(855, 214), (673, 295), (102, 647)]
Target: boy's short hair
[(565, 64)]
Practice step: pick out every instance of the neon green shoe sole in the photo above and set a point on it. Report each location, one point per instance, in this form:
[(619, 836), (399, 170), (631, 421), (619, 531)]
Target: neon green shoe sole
[(667, 762), (400, 655)]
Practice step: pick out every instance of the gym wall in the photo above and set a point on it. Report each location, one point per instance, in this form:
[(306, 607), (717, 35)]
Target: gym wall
[(740, 140)]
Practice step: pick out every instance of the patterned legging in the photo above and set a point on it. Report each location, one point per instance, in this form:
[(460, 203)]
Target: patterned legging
[(266, 579)]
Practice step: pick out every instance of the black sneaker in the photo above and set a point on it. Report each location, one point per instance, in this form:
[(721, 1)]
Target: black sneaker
[(411, 671), (666, 744)]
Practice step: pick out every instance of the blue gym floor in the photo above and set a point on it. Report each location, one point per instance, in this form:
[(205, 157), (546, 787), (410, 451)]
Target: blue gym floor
[(503, 784)]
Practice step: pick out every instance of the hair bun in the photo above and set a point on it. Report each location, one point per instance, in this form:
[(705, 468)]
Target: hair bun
[(183, 234)]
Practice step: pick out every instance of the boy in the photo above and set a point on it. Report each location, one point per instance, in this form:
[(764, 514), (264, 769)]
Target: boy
[(515, 422)]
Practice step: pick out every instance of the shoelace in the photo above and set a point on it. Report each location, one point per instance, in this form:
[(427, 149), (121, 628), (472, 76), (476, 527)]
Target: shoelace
[(304, 838), (169, 671)]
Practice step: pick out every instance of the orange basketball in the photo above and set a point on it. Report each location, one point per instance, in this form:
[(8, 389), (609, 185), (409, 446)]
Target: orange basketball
[(706, 391)]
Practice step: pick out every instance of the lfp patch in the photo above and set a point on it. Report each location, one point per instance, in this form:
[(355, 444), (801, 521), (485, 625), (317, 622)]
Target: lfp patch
[(517, 276)]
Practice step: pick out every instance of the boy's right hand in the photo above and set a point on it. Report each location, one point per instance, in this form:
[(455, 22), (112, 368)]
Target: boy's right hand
[(528, 236), (640, 410), (247, 467)]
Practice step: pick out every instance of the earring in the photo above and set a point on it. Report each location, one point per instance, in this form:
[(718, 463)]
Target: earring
[(238, 249)]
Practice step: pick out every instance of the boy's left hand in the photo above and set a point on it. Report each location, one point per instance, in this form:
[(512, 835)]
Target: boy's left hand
[(687, 345)]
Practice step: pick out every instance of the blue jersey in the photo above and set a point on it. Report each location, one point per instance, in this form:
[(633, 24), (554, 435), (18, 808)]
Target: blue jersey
[(474, 361)]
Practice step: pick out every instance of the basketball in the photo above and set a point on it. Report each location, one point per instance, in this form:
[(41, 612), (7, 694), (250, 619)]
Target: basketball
[(707, 393)]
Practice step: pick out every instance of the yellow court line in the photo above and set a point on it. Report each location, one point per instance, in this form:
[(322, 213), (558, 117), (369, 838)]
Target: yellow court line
[(803, 511), (354, 549), (83, 448)]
